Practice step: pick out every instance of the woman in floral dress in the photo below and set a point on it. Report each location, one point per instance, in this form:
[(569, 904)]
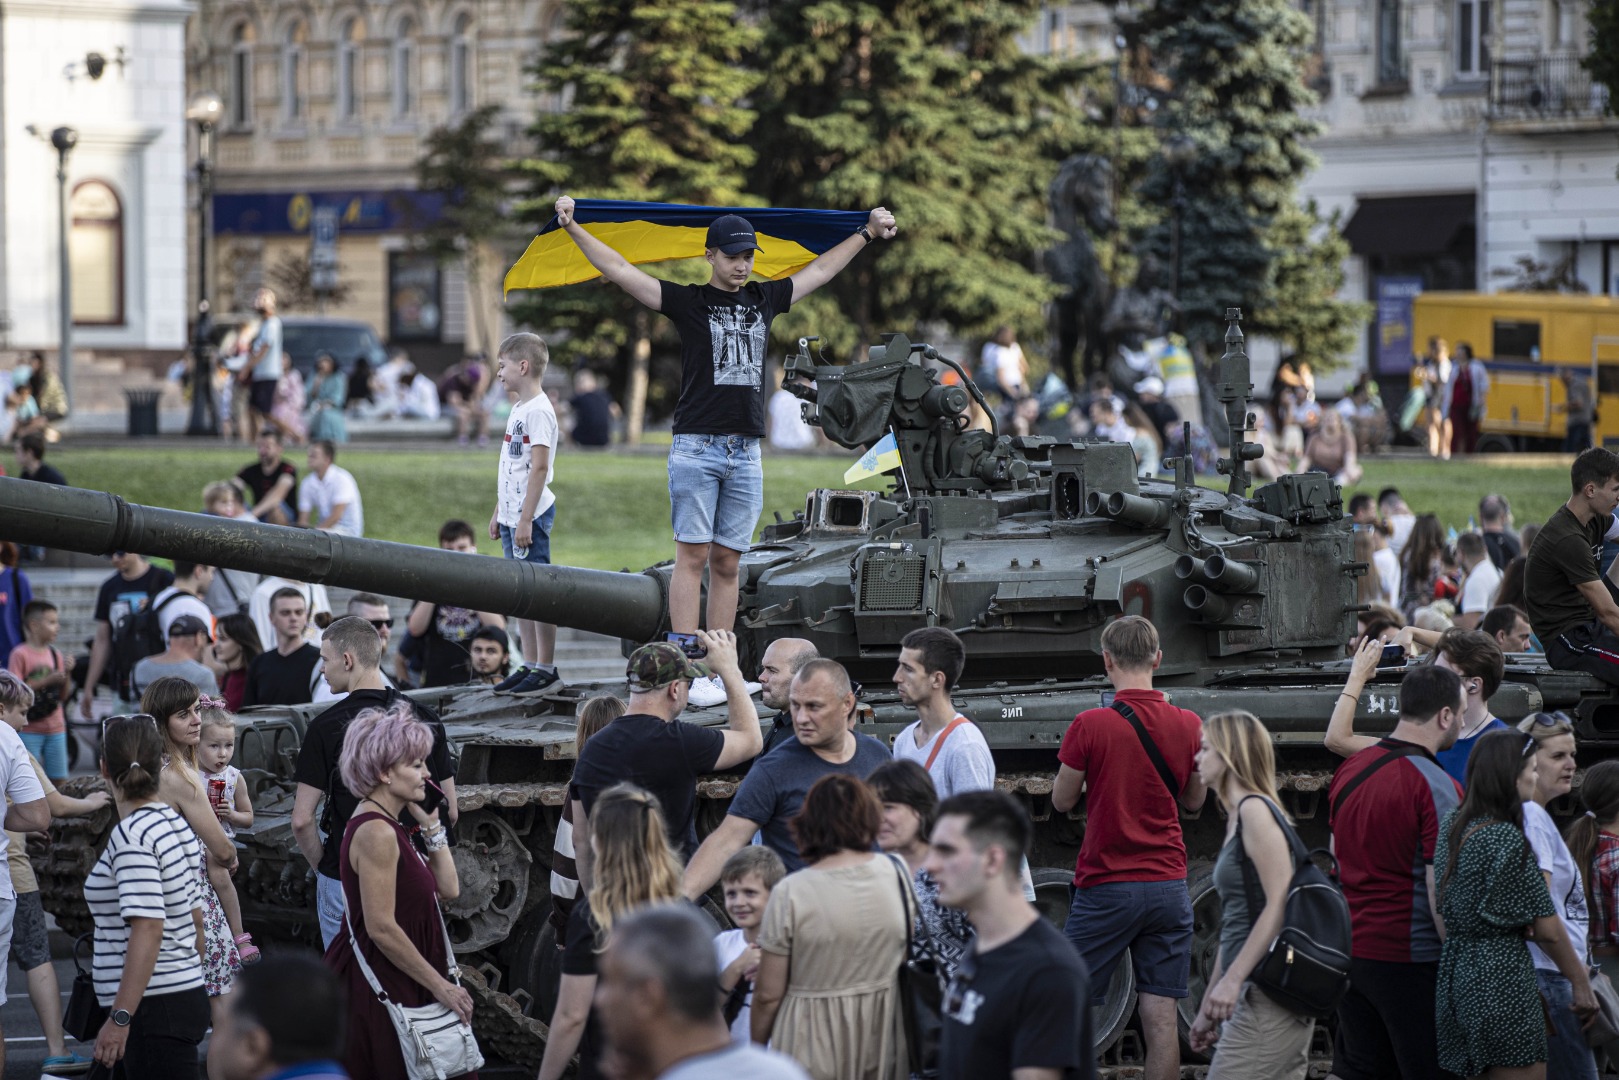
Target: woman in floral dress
[(174, 701), (1491, 892)]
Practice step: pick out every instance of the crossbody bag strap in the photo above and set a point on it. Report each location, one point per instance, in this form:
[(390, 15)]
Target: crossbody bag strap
[(365, 968), (1153, 753), (938, 744), (1366, 774)]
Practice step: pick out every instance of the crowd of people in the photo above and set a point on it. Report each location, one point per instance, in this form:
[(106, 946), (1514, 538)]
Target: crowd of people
[(879, 895)]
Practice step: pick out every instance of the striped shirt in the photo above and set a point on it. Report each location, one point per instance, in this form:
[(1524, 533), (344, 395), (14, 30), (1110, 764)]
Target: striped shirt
[(149, 870)]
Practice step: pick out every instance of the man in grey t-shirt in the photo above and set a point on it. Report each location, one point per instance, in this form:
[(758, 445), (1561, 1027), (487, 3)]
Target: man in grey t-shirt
[(264, 356), (188, 636), (823, 705), (658, 1009)]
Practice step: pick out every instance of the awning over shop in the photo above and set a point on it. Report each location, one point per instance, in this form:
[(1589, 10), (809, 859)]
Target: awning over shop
[(1409, 224)]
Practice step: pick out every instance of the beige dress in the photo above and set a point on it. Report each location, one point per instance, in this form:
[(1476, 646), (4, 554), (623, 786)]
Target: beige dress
[(844, 933)]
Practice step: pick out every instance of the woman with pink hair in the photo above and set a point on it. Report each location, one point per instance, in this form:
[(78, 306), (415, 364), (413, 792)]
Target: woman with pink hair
[(394, 928)]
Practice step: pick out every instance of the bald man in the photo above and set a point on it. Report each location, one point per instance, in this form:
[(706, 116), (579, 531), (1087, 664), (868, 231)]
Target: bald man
[(821, 700), (782, 660)]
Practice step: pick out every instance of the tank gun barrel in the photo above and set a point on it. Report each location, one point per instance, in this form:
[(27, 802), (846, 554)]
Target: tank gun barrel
[(97, 523)]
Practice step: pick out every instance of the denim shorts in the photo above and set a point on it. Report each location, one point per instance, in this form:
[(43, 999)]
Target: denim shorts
[(51, 750), (539, 548), (1153, 919), (716, 489)]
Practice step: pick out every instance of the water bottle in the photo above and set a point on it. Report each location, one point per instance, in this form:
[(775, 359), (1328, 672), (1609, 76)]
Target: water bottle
[(520, 553)]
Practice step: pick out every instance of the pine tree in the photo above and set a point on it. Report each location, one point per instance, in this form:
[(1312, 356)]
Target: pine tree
[(931, 108), (648, 107), (1603, 60), (1235, 72), (469, 166)]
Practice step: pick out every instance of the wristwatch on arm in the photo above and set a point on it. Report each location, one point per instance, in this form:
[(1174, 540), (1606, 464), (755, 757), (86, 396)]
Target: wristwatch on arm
[(865, 232), (120, 1017)]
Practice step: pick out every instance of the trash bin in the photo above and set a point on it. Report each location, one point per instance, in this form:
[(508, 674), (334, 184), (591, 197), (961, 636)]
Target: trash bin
[(142, 412)]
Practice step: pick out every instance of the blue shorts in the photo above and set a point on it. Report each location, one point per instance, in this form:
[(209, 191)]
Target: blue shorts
[(716, 489), (539, 548), (51, 750), (1153, 919)]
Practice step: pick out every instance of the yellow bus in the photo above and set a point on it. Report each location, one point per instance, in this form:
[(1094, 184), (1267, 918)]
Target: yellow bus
[(1525, 340)]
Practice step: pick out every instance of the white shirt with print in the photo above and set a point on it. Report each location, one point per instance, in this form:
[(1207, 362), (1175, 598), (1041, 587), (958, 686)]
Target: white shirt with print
[(532, 423)]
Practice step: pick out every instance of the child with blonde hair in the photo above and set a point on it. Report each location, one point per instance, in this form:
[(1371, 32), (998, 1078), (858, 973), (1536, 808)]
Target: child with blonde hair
[(226, 793)]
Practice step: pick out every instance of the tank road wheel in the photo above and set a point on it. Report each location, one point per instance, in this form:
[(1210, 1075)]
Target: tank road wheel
[(1206, 920), (493, 866), (1053, 895)]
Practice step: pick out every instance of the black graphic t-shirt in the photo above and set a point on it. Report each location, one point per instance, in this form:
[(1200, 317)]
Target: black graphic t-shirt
[(723, 337)]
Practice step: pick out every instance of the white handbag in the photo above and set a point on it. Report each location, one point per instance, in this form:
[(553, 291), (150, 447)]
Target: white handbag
[(435, 1043)]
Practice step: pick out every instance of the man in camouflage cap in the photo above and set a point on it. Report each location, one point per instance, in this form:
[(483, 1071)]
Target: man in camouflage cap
[(651, 748)]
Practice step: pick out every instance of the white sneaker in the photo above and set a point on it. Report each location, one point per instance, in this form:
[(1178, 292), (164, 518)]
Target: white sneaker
[(709, 692)]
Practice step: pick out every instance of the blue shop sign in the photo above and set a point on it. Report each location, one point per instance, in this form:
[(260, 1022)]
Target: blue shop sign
[(283, 213)]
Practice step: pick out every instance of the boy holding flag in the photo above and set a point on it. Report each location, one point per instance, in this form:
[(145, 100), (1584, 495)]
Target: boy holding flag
[(716, 481)]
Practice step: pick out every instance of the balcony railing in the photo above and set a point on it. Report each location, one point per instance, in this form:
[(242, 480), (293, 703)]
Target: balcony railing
[(1548, 88)]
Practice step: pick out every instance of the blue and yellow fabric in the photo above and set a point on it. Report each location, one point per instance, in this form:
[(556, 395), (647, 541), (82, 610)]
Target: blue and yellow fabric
[(789, 238)]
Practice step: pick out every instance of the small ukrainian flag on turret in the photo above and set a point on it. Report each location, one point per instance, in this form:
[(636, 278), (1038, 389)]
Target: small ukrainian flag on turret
[(881, 458)]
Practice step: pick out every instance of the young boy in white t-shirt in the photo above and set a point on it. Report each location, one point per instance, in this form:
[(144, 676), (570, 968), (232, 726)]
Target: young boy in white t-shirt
[(747, 878), (526, 508)]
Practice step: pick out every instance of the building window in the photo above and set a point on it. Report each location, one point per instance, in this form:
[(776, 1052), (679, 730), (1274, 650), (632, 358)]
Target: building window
[(1390, 58), (292, 72), (348, 71), (1472, 39), (404, 61), (241, 76), (96, 255), (461, 66)]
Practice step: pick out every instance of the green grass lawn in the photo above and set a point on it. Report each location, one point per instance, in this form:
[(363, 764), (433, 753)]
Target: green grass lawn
[(613, 508)]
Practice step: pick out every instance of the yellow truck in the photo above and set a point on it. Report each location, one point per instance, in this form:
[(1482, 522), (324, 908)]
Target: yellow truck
[(1525, 340)]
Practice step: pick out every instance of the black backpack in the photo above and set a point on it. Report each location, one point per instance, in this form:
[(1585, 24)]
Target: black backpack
[(136, 636), (1306, 967)]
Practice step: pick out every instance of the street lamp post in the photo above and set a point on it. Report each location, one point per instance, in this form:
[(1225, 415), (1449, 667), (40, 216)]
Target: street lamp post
[(64, 139), (204, 110)]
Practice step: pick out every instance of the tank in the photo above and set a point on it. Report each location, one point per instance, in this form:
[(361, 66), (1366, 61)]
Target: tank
[(1026, 546)]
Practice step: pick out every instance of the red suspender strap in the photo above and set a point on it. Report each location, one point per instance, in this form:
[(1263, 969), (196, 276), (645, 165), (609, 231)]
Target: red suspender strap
[(943, 735)]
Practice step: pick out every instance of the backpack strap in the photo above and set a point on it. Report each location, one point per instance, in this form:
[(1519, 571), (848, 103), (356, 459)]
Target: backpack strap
[(1153, 753), (1366, 774), (1251, 886), (938, 743)]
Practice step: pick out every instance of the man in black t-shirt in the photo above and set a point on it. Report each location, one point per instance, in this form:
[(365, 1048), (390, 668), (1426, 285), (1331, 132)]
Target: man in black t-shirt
[(31, 461), (351, 652), (286, 674), (1570, 607), (593, 411), (1019, 1002), (126, 592), (651, 748), (1495, 522), (716, 481), (268, 483), (445, 632)]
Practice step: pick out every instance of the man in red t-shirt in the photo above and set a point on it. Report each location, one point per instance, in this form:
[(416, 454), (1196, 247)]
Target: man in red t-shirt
[(1384, 810), (1130, 879)]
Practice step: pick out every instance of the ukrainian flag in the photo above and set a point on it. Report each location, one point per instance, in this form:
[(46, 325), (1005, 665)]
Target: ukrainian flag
[(882, 457), (789, 239)]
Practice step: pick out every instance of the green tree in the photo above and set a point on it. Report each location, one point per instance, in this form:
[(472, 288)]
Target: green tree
[(470, 167), (648, 106), (1603, 61), (931, 108), (1236, 90)]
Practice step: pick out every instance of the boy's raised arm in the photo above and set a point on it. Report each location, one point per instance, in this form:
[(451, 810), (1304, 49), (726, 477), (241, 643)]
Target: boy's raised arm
[(645, 288)]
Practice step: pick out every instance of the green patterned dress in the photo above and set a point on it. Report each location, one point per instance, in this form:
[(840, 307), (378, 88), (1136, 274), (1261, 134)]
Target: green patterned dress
[(1488, 1004)]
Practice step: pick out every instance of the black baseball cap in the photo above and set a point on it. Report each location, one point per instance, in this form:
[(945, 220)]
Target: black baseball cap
[(732, 234)]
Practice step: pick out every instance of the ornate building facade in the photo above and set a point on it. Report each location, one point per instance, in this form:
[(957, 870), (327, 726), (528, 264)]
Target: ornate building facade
[(327, 105)]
